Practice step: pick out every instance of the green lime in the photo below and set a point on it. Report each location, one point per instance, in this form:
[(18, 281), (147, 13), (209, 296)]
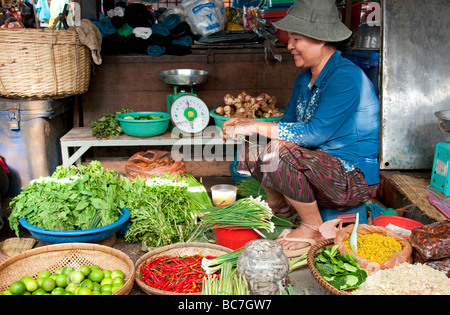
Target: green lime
[(48, 284), (25, 278), (84, 291), (106, 281), (117, 273), (106, 293), (61, 280), (58, 291), (71, 287), (116, 287), (96, 275), (39, 291), (96, 292), (94, 267), (85, 270), (118, 280), (31, 285), (44, 274), (107, 273), (76, 276), (106, 288), (17, 288), (96, 286), (67, 270), (58, 271), (86, 283)]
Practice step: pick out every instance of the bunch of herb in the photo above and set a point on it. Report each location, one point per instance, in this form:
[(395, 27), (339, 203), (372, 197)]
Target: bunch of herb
[(107, 126), (74, 198), (342, 272), (251, 188), (248, 212), (161, 209)]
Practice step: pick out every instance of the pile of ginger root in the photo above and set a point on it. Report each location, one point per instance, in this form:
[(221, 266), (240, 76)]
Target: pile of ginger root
[(247, 106)]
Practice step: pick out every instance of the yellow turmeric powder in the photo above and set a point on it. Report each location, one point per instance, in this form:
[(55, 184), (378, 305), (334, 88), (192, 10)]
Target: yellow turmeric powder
[(375, 247)]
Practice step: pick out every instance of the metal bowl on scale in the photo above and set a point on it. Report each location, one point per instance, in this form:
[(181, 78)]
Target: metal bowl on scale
[(443, 120), (184, 77)]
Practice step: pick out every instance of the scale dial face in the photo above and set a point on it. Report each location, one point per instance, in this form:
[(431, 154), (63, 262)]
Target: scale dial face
[(189, 114)]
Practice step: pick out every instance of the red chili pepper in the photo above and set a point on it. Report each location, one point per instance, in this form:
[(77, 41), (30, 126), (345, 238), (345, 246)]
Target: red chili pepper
[(174, 274)]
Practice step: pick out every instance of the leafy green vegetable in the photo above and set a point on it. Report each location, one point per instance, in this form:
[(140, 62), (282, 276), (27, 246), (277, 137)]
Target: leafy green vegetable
[(107, 127), (343, 272), (74, 198), (162, 210)]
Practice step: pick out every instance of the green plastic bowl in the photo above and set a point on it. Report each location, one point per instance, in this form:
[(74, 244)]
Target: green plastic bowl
[(219, 120), (144, 128)]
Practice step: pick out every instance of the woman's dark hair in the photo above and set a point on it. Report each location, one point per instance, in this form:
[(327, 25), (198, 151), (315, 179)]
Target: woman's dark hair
[(344, 45)]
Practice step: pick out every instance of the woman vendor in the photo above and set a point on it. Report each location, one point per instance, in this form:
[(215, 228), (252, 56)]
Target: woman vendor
[(324, 152)]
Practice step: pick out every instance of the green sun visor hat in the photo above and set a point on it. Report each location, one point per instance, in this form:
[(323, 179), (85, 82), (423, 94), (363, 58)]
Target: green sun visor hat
[(318, 19)]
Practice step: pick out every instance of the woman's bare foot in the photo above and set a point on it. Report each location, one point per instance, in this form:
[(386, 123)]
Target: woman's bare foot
[(302, 232)]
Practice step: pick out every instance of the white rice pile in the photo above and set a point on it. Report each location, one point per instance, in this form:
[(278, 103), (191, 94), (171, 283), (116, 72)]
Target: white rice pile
[(406, 279)]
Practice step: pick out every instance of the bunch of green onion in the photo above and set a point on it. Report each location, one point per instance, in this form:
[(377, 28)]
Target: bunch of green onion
[(248, 212), (199, 195), (230, 282), (211, 266)]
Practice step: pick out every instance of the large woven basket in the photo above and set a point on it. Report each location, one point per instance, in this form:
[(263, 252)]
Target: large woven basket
[(43, 64), (51, 257), (176, 250), (315, 273)]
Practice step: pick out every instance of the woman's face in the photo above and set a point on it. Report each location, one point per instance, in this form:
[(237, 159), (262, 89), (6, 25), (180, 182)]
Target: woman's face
[(306, 50)]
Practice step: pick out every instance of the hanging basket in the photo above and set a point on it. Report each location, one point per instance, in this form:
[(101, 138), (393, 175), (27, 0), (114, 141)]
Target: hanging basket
[(38, 64)]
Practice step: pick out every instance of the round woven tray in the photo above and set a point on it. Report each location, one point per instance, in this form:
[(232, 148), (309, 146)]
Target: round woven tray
[(310, 259), (51, 257), (179, 249)]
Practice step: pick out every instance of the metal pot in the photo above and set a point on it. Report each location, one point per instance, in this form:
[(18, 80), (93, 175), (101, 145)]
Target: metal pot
[(369, 37)]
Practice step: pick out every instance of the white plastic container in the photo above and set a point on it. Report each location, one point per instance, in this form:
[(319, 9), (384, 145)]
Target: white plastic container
[(223, 194)]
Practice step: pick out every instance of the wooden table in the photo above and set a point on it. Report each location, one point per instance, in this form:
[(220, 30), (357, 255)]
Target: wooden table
[(80, 139)]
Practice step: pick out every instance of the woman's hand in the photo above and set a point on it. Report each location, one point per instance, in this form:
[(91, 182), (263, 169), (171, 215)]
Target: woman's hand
[(247, 127), (238, 126)]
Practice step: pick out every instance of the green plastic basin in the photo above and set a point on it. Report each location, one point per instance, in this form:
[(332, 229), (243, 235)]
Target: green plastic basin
[(219, 120), (144, 128)]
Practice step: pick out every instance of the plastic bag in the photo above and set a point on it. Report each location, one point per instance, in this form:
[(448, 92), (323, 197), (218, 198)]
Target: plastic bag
[(205, 17), (43, 10), (153, 163), (431, 241), (397, 259)]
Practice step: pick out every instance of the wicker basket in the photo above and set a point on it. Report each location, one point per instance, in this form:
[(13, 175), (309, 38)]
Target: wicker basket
[(69, 254), (43, 64), (179, 249), (315, 273)]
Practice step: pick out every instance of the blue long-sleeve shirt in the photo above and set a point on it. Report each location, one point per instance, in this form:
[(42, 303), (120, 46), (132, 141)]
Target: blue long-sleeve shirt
[(338, 115)]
